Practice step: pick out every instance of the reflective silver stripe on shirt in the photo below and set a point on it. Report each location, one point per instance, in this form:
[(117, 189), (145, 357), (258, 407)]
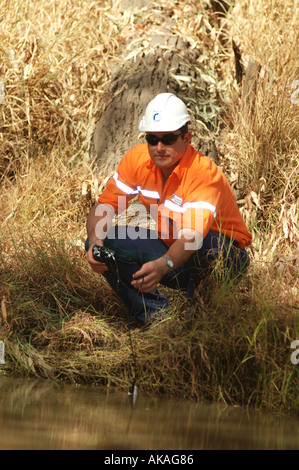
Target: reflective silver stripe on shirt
[(128, 190), (123, 187), (148, 193), (190, 205), (155, 195)]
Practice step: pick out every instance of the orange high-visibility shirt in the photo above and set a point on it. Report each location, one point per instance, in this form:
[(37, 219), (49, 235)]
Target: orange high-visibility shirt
[(196, 195)]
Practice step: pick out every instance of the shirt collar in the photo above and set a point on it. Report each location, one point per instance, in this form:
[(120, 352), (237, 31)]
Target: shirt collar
[(150, 164)]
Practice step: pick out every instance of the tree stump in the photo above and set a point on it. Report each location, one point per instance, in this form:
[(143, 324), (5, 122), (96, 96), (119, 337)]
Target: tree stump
[(147, 72)]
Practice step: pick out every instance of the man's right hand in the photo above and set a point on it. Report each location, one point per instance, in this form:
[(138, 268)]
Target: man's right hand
[(98, 213), (96, 266)]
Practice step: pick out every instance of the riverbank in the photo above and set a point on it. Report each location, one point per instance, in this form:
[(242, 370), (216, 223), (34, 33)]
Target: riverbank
[(63, 323), (60, 321)]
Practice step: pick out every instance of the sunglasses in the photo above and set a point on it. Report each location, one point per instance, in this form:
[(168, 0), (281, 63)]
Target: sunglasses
[(167, 139)]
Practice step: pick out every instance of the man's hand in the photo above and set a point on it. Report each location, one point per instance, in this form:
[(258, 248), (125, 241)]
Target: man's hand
[(150, 274), (99, 214), (96, 266)]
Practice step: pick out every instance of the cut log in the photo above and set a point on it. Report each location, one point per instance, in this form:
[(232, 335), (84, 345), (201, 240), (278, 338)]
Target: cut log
[(138, 79)]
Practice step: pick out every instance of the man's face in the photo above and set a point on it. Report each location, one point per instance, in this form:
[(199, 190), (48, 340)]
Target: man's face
[(166, 156)]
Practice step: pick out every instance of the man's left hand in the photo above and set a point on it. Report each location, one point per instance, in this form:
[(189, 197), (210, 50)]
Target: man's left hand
[(150, 274)]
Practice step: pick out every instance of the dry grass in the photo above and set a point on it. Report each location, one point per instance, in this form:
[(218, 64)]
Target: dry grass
[(265, 150), (58, 319)]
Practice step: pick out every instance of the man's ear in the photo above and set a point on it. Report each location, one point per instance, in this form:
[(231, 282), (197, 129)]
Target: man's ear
[(187, 137)]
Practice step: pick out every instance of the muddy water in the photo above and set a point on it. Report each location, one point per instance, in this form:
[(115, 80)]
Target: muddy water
[(38, 414)]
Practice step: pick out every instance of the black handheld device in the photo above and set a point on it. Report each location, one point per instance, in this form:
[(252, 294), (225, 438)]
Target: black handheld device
[(107, 256)]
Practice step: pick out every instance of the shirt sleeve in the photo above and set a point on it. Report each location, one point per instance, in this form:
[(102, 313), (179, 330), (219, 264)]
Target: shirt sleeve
[(201, 202), (212, 206)]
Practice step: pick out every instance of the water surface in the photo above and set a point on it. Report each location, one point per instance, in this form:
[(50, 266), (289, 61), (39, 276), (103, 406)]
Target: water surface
[(37, 414)]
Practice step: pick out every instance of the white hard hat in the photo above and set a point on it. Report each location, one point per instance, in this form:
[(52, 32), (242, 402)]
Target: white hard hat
[(165, 113)]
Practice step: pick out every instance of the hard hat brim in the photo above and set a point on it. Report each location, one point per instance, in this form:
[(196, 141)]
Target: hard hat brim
[(161, 127)]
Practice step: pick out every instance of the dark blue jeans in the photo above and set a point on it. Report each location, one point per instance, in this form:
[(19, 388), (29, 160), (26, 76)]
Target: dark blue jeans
[(131, 254)]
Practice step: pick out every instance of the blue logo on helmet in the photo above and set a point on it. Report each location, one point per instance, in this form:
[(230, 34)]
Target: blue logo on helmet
[(157, 117)]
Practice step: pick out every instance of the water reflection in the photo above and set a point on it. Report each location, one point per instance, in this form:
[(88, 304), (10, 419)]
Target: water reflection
[(40, 415)]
